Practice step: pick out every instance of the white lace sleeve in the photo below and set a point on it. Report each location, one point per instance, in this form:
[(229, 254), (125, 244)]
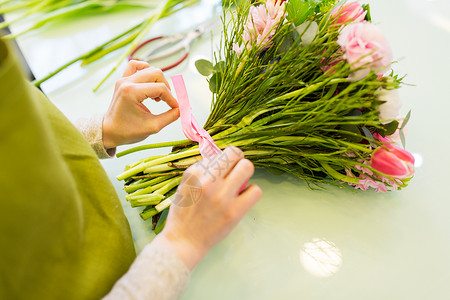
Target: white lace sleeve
[(91, 129), (157, 273)]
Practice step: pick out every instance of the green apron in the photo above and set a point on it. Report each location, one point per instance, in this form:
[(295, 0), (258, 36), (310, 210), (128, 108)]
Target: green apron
[(63, 233)]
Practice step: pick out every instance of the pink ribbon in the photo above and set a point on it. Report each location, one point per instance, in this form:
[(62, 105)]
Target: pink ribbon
[(191, 129)]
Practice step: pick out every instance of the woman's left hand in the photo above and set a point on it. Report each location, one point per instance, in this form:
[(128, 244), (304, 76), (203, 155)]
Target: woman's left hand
[(128, 120)]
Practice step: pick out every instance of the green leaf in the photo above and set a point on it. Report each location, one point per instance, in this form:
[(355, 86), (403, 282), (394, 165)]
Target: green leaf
[(332, 91), (298, 10), (214, 82), (308, 31), (403, 138), (389, 128), (161, 221), (204, 67), (287, 43), (355, 113), (354, 134), (369, 136), (405, 121)]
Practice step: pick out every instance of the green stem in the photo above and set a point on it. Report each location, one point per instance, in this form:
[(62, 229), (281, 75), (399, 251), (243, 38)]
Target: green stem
[(174, 182), (156, 197), (127, 167), (307, 90), (310, 140), (31, 11), (83, 56), (147, 214), (239, 69), (159, 169), (147, 190), (64, 10), (18, 6), (142, 167), (186, 162), (163, 205), (152, 146), (50, 75), (8, 23), (146, 27), (335, 174), (157, 175), (140, 185), (108, 50), (144, 200)]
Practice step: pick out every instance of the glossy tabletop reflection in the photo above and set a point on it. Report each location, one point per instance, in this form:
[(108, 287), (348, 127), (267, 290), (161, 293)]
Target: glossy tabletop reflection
[(298, 243)]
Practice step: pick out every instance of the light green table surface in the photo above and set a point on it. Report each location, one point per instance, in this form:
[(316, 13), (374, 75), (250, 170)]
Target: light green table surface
[(297, 243)]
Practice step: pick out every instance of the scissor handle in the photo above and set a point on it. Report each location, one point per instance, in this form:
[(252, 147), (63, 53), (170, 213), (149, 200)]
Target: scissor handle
[(130, 57), (179, 61), (176, 63)]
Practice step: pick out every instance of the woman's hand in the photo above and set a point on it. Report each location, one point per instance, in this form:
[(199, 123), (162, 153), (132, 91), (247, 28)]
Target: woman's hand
[(208, 205), (128, 120)]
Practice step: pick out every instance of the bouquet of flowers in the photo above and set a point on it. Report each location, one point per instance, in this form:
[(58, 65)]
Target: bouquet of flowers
[(302, 87)]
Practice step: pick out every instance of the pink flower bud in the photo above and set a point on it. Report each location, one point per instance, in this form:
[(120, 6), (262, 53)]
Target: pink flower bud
[(348, 12), (261, 24), (393, 161)]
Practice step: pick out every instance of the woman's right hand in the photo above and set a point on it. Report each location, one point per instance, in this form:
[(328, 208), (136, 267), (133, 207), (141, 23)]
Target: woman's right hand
[(128, 120), (208, 205)]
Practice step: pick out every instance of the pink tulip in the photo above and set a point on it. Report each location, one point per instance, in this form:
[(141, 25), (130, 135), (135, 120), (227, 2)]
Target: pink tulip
[(365, 48), (393, 161), (348, 12)]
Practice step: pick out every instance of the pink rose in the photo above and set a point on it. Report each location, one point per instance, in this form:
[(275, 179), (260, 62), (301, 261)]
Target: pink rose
[(365, 48), (348, 12), (393, 161)]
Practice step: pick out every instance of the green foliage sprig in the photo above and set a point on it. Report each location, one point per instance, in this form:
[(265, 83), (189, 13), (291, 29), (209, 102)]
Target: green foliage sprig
[(50, 11)]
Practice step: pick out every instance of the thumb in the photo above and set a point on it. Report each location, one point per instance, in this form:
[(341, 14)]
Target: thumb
[(162, 120)]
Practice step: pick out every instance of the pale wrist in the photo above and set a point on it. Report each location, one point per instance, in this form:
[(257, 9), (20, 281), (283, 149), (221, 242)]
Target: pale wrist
[(108, 141), (187, 252)]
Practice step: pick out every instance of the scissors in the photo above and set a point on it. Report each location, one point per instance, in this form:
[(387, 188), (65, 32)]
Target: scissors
[(169, 46)]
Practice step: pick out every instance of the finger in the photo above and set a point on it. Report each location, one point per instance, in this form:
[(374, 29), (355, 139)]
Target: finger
[(247, 199), (158, 122), (135, 66), (143, 91), (150, 75), (223, 163), (239, 175)]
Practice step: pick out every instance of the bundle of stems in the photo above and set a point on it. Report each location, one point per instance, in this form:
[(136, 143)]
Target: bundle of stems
[(281, 109), (52, 10)]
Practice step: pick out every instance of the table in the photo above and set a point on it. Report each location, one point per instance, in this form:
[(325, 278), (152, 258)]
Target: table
[(297, 243)]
